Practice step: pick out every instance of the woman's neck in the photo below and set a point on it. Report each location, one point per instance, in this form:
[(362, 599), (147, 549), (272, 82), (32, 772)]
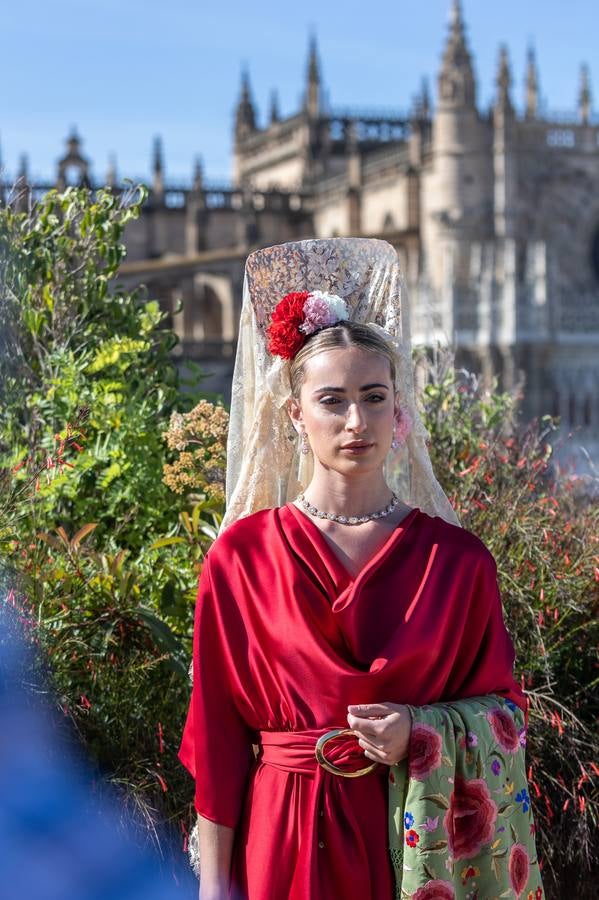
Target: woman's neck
[(356, 496)]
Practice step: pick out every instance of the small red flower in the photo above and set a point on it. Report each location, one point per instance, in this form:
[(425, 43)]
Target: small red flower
[(504, 730), (424, 752), (519, 868), (284, 336), (435, 890), (162, 782), (412, 838)]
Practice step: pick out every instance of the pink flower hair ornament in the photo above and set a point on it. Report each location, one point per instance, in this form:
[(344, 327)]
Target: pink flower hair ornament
[(300, 314), (402, 427)]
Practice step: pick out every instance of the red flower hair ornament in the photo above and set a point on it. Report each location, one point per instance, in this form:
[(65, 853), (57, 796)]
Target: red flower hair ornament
[(299, 314)]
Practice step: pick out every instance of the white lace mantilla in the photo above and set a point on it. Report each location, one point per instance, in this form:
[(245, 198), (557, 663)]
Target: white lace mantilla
[(265, 467)]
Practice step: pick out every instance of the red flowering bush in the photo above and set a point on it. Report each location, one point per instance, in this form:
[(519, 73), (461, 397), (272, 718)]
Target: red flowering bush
[(543, 530), (424, 754), (435, 890), (504, 730), (284, 336), (470, 819)]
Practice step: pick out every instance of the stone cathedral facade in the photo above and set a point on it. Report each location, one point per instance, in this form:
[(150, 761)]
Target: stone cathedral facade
[(495, 215)]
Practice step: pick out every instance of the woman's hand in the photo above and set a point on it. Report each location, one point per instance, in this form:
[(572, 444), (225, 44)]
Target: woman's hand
[(383, 730)]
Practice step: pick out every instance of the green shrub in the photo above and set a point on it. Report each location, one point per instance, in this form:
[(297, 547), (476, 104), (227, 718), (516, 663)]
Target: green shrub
[(102, 554)]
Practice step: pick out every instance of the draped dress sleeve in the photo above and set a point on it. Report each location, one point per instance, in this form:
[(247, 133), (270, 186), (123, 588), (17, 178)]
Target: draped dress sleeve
[(216, 746)]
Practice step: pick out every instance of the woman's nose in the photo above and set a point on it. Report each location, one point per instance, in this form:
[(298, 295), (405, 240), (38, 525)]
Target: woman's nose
[(355, 418)]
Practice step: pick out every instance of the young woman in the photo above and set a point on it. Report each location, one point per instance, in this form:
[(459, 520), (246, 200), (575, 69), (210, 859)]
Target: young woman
[(340, 606)]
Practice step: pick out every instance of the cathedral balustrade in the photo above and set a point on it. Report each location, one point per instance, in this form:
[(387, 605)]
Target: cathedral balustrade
[(237, 199), (347, 125), (566, 117), (177, 196), (579, 315)]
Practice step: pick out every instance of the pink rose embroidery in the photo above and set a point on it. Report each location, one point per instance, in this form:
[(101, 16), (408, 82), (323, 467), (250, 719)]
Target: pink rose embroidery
[(470, 819), (425, 751), (519, 868), (435, 890), (504, 730)]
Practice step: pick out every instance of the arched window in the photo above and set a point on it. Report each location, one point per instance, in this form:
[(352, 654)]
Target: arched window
[(388, 222), (572, 409), (211, 312), (587, 411)]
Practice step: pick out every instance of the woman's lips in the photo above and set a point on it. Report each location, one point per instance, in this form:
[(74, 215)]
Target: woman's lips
[(356, 451)]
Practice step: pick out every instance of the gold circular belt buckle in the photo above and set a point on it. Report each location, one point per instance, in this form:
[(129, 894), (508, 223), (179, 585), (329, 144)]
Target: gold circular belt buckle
[(330, 767)]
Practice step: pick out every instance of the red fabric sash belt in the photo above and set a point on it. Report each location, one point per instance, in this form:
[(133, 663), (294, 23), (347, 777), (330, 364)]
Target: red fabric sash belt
[(293, 751)]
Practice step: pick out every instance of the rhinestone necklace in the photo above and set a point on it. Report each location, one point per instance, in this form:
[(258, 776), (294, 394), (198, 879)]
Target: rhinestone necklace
[(348, 520)]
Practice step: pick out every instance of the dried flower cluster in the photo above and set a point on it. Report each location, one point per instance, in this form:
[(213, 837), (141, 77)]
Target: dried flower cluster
[(200, 437)]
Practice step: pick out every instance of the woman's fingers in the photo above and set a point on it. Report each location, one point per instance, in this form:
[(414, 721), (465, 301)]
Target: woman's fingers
[(373, 727), (365, 710), (375, 753)]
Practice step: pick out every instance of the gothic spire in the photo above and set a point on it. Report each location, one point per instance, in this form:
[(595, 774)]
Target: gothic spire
[(245, 118), (274, 107), (313, 70), (456, 77), (504, 82), (312, 97), (421, 107), (198, 174), (157, 162), (23, 171), (157, 167), (111, 172), (584, 95), (532, 85), (425, 98)]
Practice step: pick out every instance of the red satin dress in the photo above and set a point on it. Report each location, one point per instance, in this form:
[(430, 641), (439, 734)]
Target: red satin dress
[(285, 638)]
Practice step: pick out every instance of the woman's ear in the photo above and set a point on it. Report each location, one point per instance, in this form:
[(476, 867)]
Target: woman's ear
[(295, 413), (397, 406)]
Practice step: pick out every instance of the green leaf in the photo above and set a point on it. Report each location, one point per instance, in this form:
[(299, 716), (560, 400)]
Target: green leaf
[(82, 533), (505, 808), (430, 873), (166, 542), (163, 637), (479, 766), (438, 799), (436, 847)]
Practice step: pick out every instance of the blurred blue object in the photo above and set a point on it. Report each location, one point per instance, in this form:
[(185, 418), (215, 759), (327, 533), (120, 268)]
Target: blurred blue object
[(59, 840)]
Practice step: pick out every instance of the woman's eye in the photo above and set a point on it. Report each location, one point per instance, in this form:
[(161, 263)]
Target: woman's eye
[(330, 400)]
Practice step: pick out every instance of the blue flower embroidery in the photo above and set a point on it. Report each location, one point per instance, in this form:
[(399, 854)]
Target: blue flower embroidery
[(408, 820), (523, 798)]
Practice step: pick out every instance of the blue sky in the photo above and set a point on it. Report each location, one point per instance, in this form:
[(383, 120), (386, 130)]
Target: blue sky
[(123, 71)]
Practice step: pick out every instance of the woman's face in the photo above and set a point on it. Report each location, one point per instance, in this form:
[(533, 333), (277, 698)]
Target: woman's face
[(347, 397)]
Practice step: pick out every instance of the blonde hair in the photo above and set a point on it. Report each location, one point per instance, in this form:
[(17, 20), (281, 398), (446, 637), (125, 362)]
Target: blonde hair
[(343, 334)]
